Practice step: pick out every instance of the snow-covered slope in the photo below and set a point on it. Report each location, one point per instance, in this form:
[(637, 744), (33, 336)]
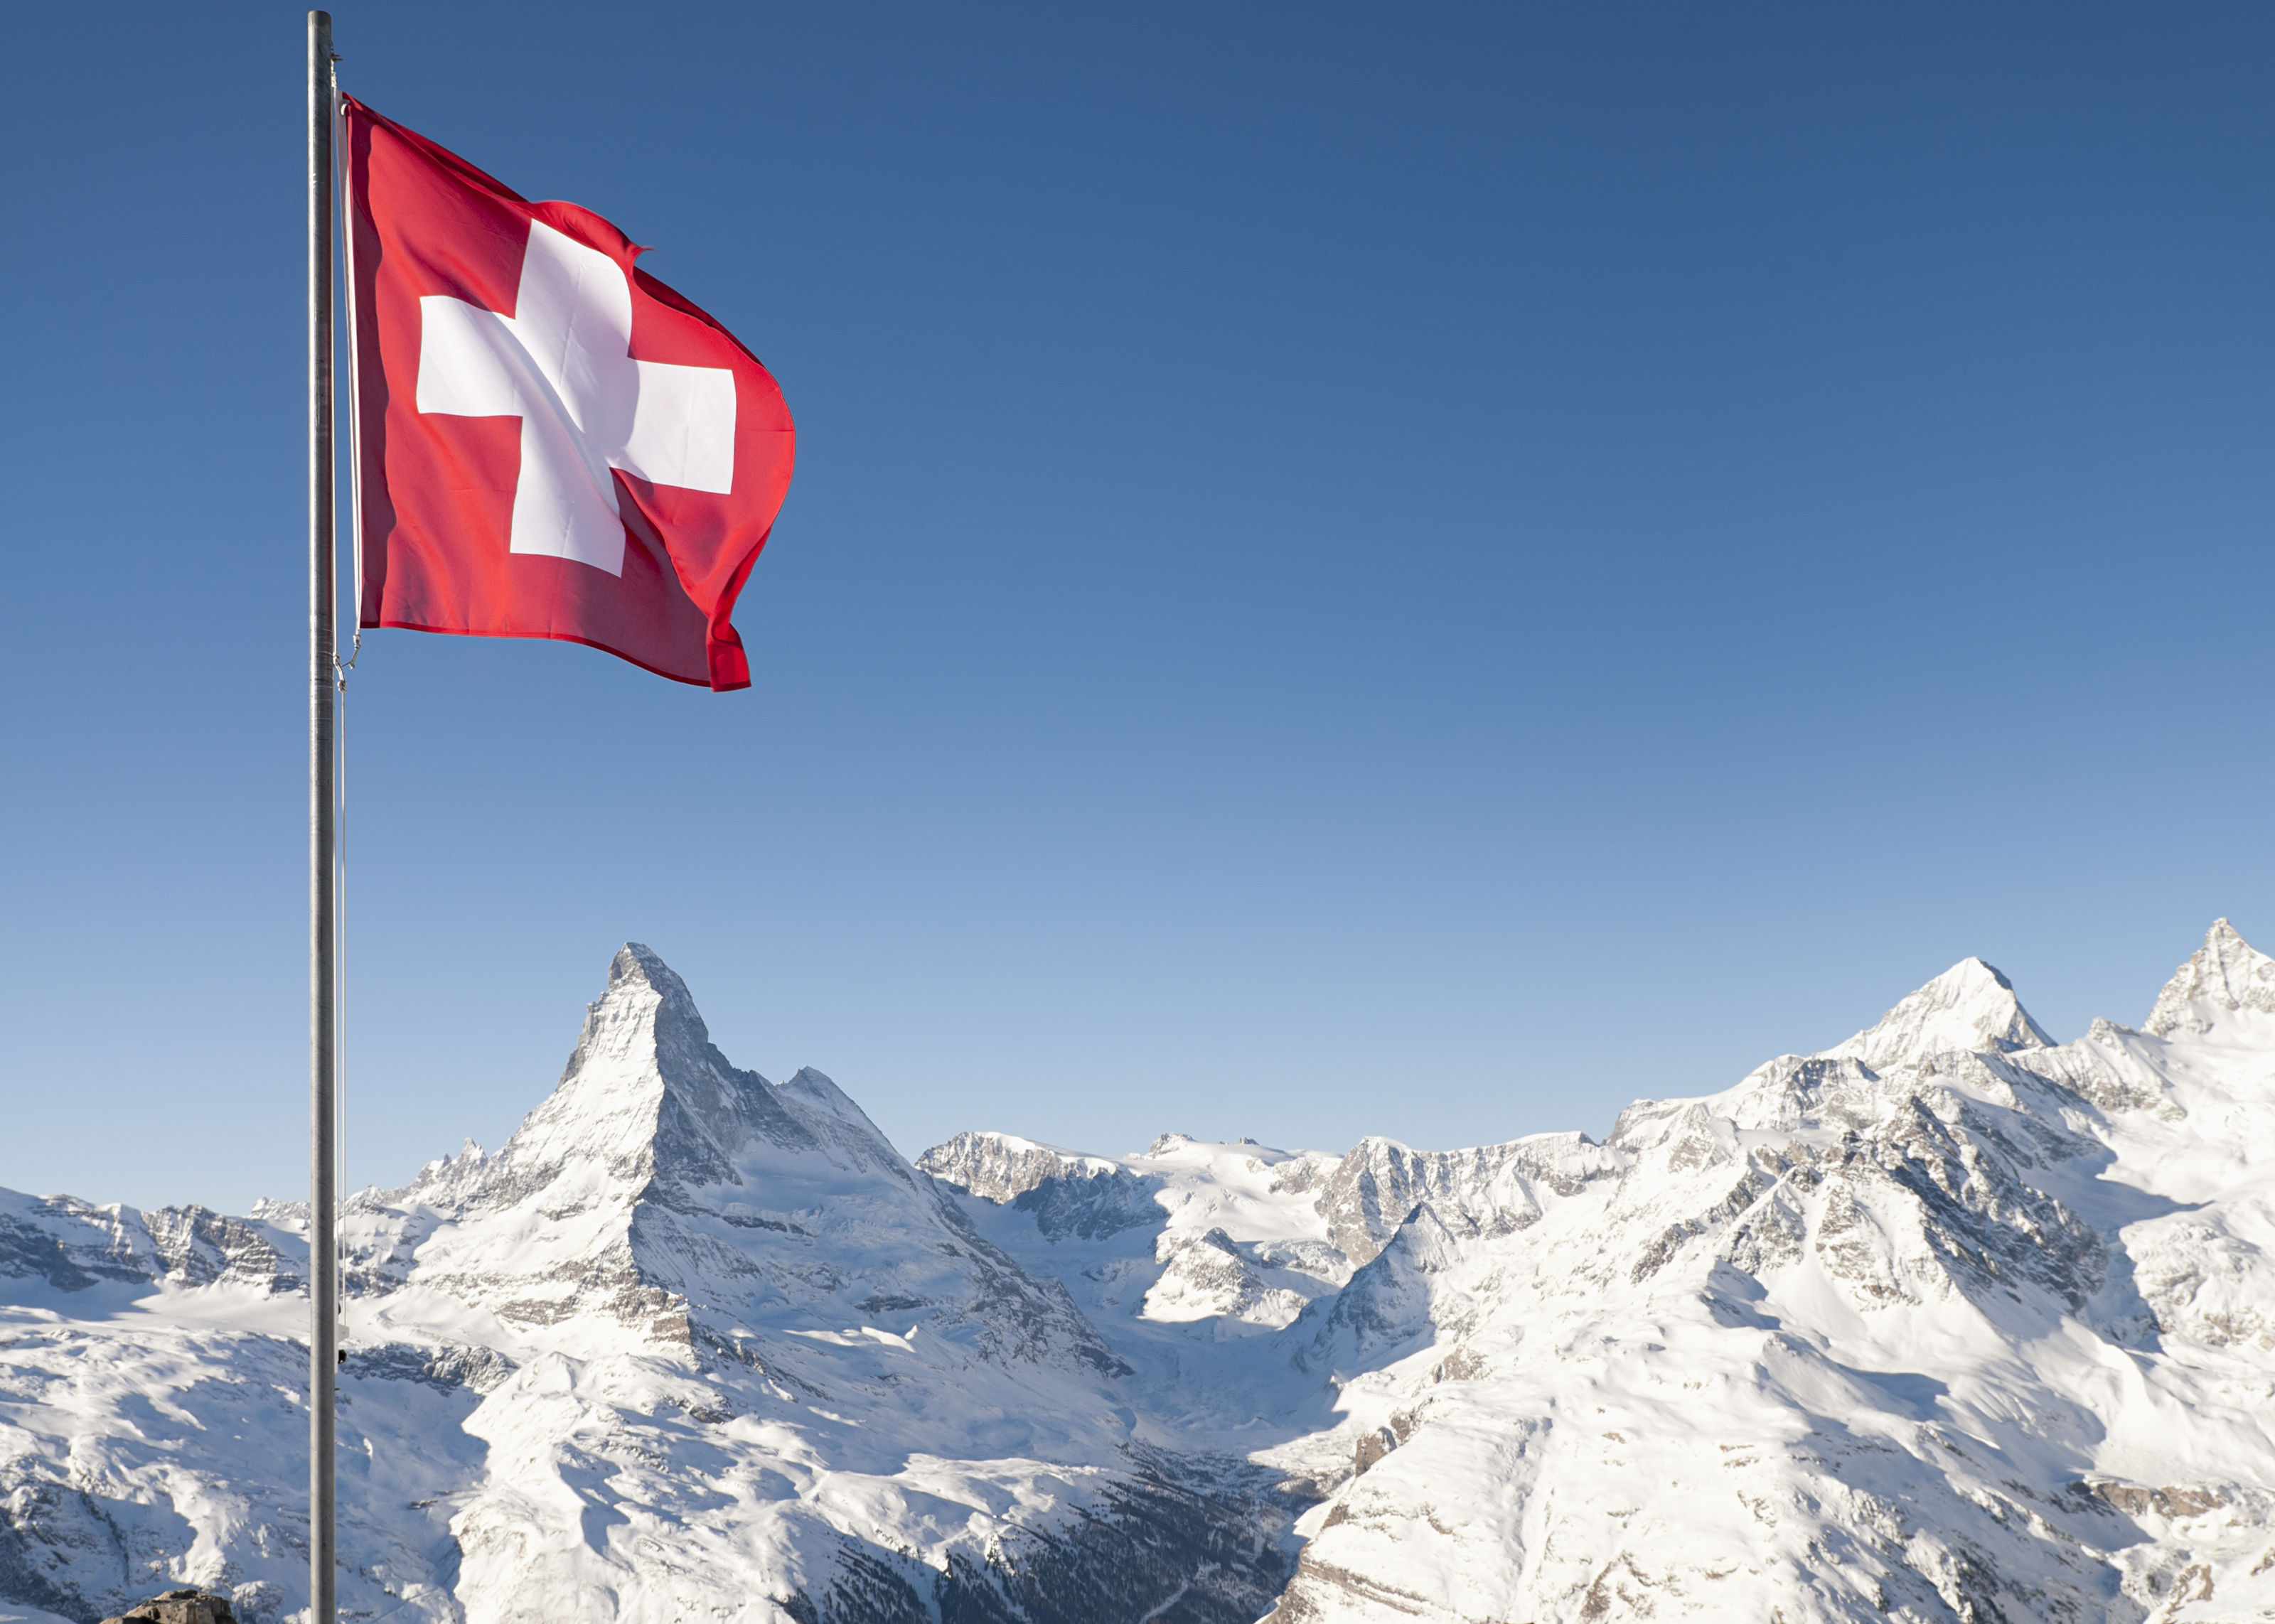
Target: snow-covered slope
[(1948, 1321), (691, 1343)]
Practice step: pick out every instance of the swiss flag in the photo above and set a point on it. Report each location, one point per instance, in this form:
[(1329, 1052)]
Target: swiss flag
[(551, 442)]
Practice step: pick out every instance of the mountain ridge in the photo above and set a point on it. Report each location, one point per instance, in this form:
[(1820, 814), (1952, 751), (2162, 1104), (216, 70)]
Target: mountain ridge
[(1947, 1320)]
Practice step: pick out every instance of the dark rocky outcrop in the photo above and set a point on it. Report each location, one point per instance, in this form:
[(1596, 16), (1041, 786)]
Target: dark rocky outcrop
[(190, 1607)]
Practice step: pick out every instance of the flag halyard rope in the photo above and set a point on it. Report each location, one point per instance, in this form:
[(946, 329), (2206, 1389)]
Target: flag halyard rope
[(355, 394), (340, 670)]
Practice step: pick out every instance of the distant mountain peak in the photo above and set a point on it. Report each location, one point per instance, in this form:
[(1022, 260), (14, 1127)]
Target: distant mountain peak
[(2228, 972), (1971, 1007), (645, 1093), (639, 966), (1865, 1336), (1069, 1193)]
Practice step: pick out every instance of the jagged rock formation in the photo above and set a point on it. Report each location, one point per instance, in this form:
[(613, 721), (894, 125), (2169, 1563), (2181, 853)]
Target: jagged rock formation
[(689, 1335), (179, 1607), (1495, 1188), (1921, 1327), (1068, 1193), (72, 1245), (1948, 1321), (2225, 975), (629, 1198)]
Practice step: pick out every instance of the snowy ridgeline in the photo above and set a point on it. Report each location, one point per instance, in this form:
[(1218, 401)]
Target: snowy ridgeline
[(1947, 1322)]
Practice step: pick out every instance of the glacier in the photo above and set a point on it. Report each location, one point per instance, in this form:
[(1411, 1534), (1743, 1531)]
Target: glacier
[(1950, 1321)]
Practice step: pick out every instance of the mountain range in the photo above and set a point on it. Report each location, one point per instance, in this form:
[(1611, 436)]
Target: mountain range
[(1949, 1321)]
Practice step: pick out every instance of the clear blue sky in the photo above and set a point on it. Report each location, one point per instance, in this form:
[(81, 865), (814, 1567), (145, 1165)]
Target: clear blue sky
[(1426, 570)]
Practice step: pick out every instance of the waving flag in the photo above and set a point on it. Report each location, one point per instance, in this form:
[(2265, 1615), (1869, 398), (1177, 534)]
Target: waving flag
[(550, 442)]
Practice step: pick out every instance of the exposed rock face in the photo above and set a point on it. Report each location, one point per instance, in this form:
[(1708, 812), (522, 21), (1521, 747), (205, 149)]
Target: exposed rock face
[(682, 1303), (2225, 974), (71, 1245), (179, 1607), (631, 1197), (1840, 1342), (1069, 1194), (1207, 1277), (1393, 1298), (1948, 1321), (1370, 1190)]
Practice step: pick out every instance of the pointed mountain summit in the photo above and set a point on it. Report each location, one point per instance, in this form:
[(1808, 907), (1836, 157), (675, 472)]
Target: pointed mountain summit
[(661, 1194), (2227, 973), (1968, 1009), (645, 1096), (1944, 1323), (1969, 1006)]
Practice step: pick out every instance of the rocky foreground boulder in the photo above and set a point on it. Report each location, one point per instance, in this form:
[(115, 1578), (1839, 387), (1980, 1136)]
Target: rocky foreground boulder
[(192, 1606)]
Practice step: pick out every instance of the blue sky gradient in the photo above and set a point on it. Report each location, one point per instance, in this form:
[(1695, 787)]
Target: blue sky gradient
[(1352, 570)]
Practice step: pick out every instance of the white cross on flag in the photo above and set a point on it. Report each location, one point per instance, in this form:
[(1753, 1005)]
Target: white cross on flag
[(552, 443)]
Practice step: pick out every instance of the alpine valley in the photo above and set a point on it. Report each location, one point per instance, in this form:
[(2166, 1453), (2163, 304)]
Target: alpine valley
[(1950, 1321)]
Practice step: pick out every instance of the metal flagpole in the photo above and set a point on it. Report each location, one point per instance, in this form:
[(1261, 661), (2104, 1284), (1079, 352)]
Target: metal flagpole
[(323, 1256)]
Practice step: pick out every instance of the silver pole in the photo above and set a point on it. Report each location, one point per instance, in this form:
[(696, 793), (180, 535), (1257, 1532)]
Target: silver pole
[(323, 1180)]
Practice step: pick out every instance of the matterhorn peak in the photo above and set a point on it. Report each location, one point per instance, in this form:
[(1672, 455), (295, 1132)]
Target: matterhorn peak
[(645, 1095), (1969, 1006), (636, 971), (2228, 972), (1946, 1323), (636, 958)]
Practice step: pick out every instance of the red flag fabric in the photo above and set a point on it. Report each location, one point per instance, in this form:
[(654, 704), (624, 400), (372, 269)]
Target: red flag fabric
[(551, 443)]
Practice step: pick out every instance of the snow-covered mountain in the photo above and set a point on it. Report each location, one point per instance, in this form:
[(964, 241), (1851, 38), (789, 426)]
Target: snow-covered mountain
[(691, 1343), (1948, 1321)]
